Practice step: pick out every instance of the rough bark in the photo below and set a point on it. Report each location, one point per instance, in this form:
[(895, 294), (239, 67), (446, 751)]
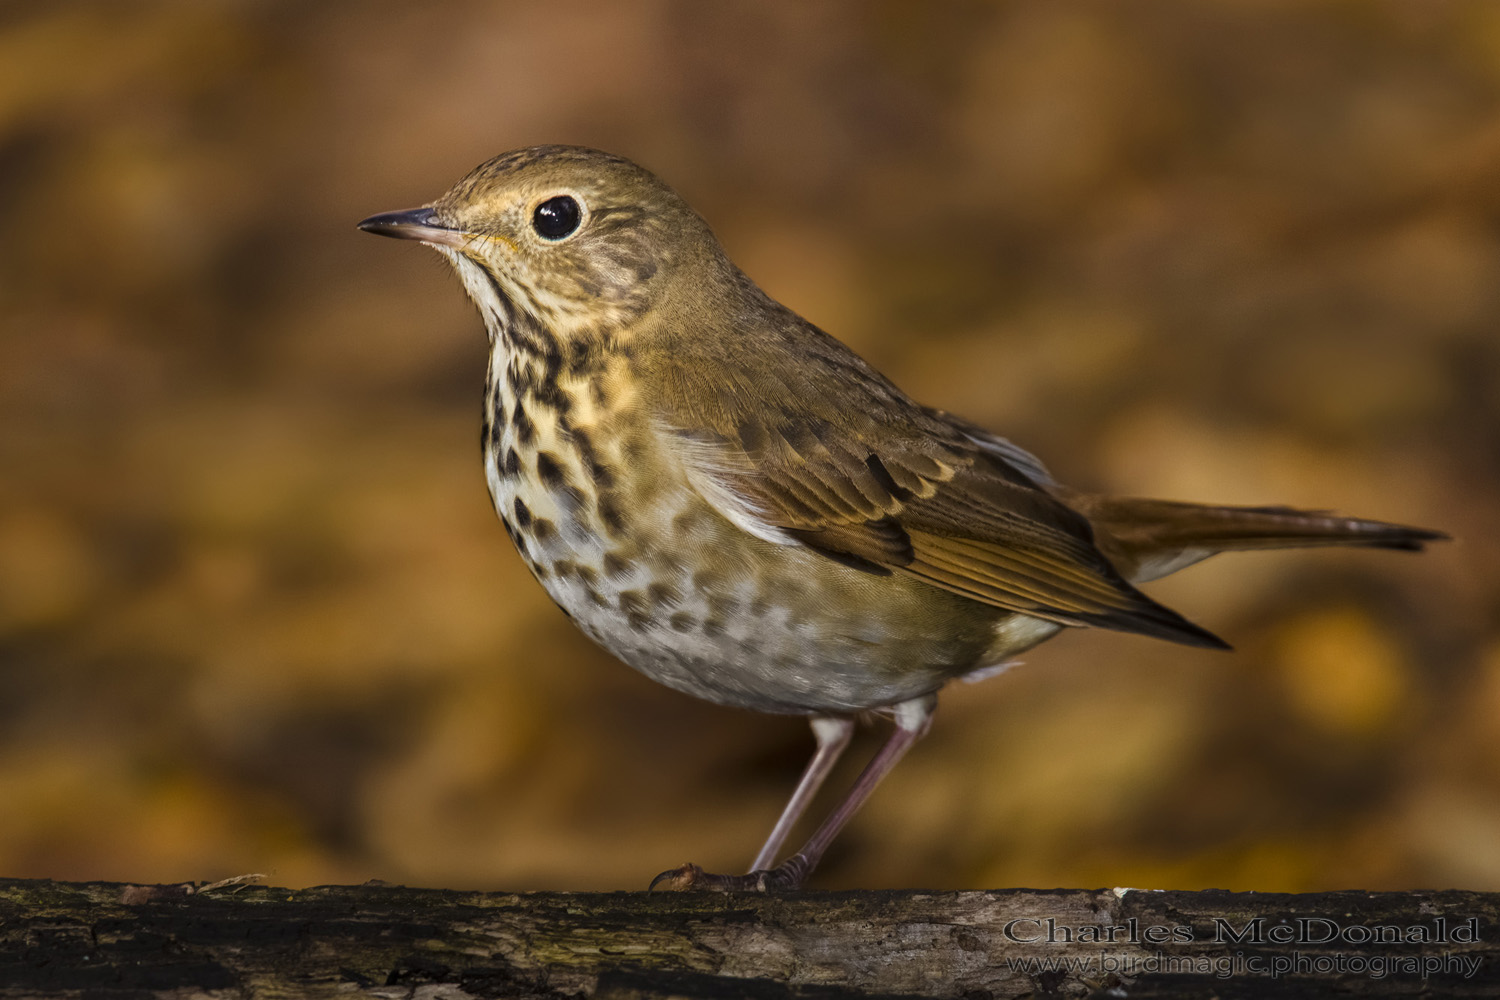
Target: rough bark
[(108, 941)]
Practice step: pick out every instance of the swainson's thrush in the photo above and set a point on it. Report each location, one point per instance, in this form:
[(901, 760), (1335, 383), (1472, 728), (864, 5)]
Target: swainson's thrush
[(738, 506)]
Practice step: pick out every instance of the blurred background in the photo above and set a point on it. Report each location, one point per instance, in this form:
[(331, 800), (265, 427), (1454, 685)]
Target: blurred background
[(256, 613)]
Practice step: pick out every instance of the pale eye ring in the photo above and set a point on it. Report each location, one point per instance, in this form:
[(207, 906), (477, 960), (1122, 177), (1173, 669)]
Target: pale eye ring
[(557, 218)]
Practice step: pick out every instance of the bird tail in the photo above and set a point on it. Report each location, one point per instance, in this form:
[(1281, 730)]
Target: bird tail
[(1147, 539)]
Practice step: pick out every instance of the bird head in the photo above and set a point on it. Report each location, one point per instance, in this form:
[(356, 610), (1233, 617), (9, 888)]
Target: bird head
[(572, 240)]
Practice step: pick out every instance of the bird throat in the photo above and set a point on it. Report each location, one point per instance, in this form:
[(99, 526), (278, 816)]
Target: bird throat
[(559, 426)]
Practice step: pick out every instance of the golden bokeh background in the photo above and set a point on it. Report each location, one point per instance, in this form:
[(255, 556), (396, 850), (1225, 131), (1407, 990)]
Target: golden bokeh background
[(256, 613)]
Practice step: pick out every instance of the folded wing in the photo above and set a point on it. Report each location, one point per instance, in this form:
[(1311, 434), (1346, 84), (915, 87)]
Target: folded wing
[(917, 493)]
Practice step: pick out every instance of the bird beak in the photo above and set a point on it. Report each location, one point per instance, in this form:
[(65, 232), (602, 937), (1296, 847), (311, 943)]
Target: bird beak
[(414, 224)]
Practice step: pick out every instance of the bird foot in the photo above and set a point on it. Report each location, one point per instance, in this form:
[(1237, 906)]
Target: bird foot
[(690, 878)]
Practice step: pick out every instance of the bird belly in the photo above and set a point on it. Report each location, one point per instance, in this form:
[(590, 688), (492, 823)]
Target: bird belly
[(682, 595), (654, 573)]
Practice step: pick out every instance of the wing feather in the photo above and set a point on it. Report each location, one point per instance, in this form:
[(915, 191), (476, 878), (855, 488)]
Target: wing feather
[(871, 479)]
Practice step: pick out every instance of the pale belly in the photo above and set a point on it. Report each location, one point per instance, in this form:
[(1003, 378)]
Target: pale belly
[(690, 600)]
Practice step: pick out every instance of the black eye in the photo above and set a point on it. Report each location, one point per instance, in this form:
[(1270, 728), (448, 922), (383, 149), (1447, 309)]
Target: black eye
[(556, 217)]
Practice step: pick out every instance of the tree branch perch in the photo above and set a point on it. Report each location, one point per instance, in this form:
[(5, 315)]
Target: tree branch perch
[(109, 941)]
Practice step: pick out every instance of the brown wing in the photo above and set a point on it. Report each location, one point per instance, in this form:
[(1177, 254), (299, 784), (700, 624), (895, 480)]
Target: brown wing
[(877, 482)]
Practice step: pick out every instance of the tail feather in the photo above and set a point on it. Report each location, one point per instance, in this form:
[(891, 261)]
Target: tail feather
[(1148, 539)]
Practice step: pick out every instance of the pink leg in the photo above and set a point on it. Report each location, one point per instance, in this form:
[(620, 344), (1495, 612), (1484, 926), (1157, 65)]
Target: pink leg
[(912, 719), (833, 735)]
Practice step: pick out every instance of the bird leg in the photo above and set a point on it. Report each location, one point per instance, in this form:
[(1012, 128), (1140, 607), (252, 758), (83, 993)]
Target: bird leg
[(833, 735), (912, 721)]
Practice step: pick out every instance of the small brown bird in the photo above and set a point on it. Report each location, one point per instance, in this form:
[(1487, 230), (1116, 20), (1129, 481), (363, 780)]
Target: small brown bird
[(738, 506)]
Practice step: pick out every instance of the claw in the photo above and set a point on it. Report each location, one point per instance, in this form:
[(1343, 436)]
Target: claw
[(690, 878), (678, 879)]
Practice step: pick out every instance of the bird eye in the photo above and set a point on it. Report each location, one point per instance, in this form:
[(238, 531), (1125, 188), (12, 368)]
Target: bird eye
[(556, 217)]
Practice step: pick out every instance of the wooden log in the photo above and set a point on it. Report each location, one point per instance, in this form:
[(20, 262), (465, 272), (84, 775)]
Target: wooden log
[(109, 941)]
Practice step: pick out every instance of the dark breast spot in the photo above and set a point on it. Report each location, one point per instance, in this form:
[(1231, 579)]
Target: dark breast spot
[(550, 471), (597, 470), (521, 421), (581, 360), (552, 361), (553, 476), (523, 514), (611, 516), (638, 609), (663, 595), (600, 393), (549, 393)]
